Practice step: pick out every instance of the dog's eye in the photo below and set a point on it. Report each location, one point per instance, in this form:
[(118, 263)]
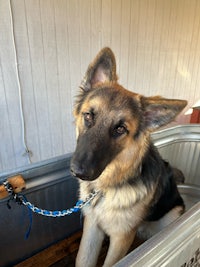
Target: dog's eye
[(88, 118), (119, 130)]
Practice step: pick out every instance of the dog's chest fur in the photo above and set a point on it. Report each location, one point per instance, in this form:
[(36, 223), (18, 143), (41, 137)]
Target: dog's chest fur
[(117, 209)]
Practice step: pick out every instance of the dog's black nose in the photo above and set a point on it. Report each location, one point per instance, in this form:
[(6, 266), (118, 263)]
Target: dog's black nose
[(78, 172)]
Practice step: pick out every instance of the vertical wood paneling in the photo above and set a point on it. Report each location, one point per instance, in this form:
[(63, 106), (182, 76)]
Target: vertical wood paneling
[(7, 147), (106, 22), (11, 147), (26, 79), (64, 75), (95, 35), (134, 26), (73, 17), (115, 22), (85, 33), (157, 47), (51, 74), (124, 42), (39, 80)]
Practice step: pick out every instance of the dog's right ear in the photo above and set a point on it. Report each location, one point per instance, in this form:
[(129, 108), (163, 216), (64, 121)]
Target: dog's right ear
[(158, 111), (101, 70)]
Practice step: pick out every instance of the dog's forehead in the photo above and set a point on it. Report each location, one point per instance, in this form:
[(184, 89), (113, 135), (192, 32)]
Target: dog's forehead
[(112, 99)]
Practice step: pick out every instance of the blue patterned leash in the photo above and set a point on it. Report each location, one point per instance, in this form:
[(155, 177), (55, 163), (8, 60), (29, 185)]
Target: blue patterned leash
[(21, 199), (60, 213)]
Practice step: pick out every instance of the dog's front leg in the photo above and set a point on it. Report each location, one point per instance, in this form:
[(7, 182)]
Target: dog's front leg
[(119, 246), (91, 243)]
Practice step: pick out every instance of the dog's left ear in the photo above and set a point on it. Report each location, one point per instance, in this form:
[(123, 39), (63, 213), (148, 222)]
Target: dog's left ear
[(160, 111), (102, 69)]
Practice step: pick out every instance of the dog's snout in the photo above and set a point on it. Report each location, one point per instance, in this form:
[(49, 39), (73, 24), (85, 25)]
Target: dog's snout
[(78, 172)]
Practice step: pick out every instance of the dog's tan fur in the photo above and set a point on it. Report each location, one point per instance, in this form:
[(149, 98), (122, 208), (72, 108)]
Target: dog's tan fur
[(120, 207)]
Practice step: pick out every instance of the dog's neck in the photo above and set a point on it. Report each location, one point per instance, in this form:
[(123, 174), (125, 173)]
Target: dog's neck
[(100, 185)]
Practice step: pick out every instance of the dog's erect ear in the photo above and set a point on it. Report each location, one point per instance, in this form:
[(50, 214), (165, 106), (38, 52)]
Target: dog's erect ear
[(102, 69), (160, 111)]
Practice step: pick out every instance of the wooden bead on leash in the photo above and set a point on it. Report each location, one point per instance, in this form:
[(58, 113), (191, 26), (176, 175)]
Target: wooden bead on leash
[(17, 182)]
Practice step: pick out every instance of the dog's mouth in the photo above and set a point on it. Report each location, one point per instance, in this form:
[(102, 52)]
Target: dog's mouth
[(80, 176)]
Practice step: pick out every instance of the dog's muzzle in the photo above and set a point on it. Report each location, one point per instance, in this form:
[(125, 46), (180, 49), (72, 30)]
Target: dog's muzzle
[(79, 172)]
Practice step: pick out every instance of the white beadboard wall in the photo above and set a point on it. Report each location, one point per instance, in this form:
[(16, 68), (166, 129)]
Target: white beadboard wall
[(157, 47)]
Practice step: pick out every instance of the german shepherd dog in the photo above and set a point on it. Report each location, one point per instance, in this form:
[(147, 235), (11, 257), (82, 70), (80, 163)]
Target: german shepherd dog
[(115, 157)]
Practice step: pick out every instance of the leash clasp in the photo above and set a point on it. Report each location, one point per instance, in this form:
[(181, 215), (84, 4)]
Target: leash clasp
[(11, 186)]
